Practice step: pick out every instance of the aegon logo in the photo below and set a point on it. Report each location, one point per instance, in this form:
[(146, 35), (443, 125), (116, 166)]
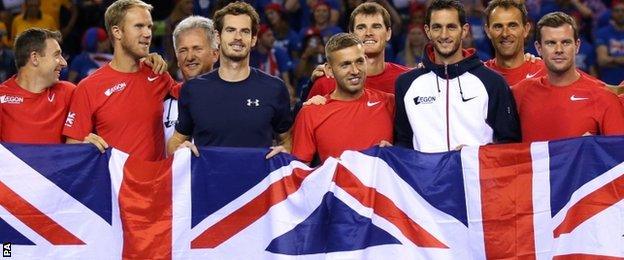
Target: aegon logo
[(116, 88), (6, 99), (424, 100)]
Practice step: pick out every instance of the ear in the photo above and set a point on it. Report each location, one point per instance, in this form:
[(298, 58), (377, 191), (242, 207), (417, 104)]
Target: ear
[(215, 55), (527, 30), (328, 69), (254, 39), (465, 30), (578, 45), (428, 32), (486, 28), (538, 47), (34, 58), (117, 32), (389, 34)]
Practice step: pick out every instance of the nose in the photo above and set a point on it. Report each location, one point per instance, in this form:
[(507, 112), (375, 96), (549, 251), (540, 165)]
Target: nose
[(559, 48), (355, 69), (63, 62), (368, 31), (505, 31)]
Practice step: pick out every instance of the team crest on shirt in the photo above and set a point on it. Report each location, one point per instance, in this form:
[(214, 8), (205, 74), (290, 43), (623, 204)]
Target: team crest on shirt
[(116, 88), (6, 99)]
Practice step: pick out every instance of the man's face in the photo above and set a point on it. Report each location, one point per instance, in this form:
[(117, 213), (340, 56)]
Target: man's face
[(267, 39), (136, 32), (321, 14), (236, 37), (445, 32), (372, 32), (558, 48), (617, 13), (194, 53), (417, 37), (51, 61), (506, 31), (348, 66)]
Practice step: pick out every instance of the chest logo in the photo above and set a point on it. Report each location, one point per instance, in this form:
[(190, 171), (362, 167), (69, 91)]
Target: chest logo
[(575, 98), (116, 88), (253, 102), (6, 99), (370, 104), (424, 100), (151, 79)]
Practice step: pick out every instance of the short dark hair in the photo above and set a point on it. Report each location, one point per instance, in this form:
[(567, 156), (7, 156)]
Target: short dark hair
[(370, 8), (446, 4), (341, 41), (237, 8), (554, 20), (33, 39), (505, 4)]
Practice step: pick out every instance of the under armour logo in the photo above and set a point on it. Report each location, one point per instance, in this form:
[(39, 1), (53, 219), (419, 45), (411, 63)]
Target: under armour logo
[(253, 103)]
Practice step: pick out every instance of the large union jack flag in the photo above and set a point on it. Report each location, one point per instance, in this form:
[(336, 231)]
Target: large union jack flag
[(562, 199)]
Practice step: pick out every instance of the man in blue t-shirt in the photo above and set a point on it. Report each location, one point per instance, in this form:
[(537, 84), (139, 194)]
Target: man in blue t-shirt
[(235, 105), (610, 50)]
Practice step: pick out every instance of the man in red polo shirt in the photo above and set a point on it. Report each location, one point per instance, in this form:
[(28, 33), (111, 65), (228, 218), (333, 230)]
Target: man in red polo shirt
[(565, 103), (122, 101), (33, 104), (371, 23), (354, 117)]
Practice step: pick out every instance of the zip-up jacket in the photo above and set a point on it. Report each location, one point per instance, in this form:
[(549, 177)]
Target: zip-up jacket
[(440, 107)]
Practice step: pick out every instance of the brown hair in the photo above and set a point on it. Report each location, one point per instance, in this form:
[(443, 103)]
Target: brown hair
[(369, 8), (554, 20), (341, 41), (33, 39), (237, 8), (506, 4), (116, 12)]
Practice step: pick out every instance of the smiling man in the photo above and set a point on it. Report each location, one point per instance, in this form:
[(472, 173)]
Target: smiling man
[(565, 103), (370, 22), (454, 100), (354, 118), (122, 101), (507, 27), (34, 103), (235, 105)]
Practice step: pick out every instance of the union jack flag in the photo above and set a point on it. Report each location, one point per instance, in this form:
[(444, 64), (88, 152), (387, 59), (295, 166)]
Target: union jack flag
[(562, 199)]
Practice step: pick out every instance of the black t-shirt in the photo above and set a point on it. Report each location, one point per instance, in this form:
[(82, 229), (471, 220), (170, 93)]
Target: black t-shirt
[(247, 113)]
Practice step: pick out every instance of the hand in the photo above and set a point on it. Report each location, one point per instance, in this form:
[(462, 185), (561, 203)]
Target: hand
[(420, 65), (385, 143), (316, 100), (320, 71), (156, 62), (97, 141), (189, 145), (459, 147), (275, 150), (587, 134), (532, 58)]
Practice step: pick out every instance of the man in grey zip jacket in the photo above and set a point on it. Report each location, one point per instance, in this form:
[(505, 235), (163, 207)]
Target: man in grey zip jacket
[(454, 100)]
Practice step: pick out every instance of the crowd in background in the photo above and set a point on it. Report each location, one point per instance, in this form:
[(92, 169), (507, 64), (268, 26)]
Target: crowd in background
[(293, 32)]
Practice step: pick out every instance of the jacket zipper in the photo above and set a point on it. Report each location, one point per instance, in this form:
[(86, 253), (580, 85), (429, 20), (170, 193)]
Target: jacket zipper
[(448, 134)]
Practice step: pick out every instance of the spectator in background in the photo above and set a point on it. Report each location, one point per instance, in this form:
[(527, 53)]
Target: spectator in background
[(415, 42), (182, 9), (311, 56), (53, 9), (586, 56), (610, 47), (321, 22), (32, 16), (271, 59), (7, 58), (301, 11), (96, 53), (285, 36)]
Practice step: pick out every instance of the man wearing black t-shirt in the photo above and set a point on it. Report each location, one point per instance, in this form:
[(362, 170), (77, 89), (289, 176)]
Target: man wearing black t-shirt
[(235, 105)]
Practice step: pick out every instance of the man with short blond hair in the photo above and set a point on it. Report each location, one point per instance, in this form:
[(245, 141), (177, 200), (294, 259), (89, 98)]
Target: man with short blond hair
[(122, 101)]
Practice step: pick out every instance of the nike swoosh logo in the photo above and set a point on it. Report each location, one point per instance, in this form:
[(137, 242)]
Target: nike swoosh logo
[(574, 98), (51, 98), (528, 76), (468, 99), (150, 79), (370, 104)]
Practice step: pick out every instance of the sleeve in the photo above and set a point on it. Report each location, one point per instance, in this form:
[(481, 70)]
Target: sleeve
[(282, 119), (403, 134), (172, 87), (612, 115), (321, 87), (502, 113), (185, 122), (79, 122), (303, 142)]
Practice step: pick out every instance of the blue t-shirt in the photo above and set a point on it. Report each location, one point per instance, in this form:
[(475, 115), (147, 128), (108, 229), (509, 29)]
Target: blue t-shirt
[(247, 113), (614, 40), (586, 57)]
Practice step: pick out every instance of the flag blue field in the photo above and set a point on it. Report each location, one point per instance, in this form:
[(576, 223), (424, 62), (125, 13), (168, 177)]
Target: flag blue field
[(561, 199)]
